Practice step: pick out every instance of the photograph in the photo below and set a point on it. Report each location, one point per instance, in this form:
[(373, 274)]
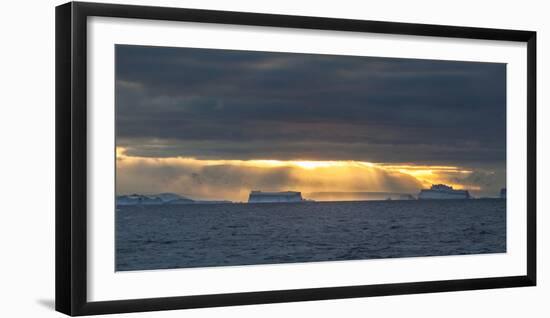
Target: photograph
[(237, 158)]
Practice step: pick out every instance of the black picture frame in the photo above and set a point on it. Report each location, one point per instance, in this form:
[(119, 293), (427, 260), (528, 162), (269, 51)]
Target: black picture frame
[(71, 157)]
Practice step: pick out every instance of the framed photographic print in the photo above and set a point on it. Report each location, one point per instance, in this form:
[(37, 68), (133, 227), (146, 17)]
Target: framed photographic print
[(209, 158)]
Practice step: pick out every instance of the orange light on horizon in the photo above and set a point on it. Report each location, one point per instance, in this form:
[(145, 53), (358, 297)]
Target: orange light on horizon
[(319, 175), (305, 164)]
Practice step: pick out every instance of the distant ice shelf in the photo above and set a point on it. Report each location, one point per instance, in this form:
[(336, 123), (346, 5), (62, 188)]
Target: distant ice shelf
[(160, 199)]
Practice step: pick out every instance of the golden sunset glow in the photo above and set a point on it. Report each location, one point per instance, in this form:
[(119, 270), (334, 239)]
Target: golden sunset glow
[(262, 163), (234, 179), (433, 174)]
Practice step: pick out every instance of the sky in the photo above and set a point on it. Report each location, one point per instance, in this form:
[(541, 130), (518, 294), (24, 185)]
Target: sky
[(216, 124)]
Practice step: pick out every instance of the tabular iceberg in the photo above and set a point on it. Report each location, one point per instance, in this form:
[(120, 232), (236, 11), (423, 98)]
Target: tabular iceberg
[(442, 191), (270, 197)]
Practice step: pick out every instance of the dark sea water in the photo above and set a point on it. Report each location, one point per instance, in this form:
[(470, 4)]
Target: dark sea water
[(179, 236)]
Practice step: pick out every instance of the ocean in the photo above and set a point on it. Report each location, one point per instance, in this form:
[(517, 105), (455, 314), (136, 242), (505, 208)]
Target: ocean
[(202, 235)]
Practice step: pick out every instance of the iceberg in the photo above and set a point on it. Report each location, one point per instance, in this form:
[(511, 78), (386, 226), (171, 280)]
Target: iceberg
[(270, 197), (442, 191)]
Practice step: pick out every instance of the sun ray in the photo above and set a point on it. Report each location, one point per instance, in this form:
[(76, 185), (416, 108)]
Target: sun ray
[(316, 175)]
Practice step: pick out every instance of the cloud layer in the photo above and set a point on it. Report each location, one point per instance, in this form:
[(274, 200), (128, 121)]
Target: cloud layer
[(259, 105), (243, 105)]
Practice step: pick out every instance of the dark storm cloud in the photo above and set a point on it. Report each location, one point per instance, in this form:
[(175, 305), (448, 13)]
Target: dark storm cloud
[(258, 105)]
